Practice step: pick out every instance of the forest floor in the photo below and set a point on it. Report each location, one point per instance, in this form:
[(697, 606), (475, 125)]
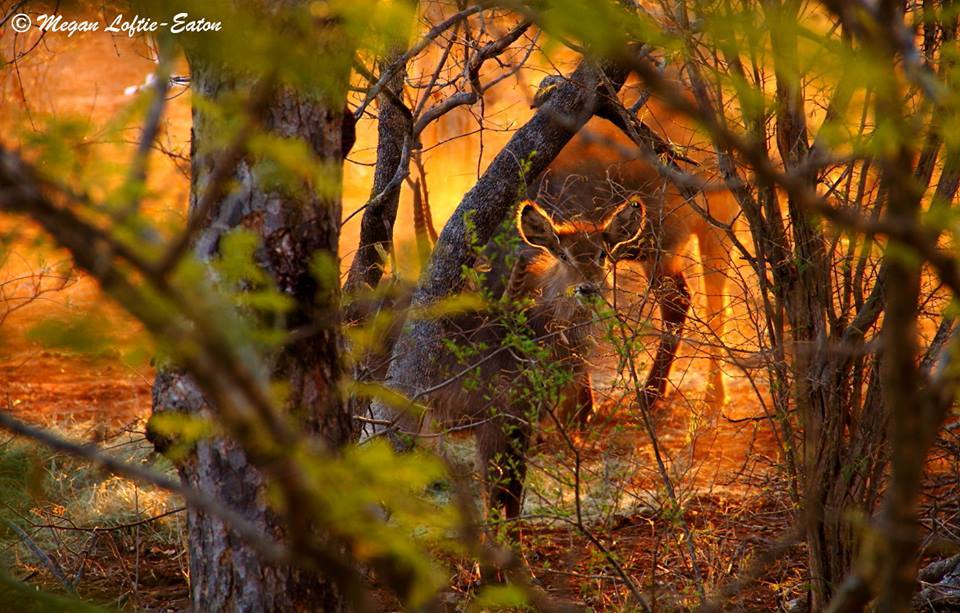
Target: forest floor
[(720, 464), (125, 546)]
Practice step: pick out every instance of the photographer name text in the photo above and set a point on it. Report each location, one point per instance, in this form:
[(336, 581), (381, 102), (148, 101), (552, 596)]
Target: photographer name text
[(133, 26)]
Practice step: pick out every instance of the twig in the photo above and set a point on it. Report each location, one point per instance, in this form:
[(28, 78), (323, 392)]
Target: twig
[(13, 11), (581, 527), (402, 172), (425, 94), (52, 565), (643, 404), (134, 524), (490, 50), (151, 127), (434, 32)]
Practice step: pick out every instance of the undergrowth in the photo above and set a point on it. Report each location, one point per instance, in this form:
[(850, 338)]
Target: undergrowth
[(76, 531)]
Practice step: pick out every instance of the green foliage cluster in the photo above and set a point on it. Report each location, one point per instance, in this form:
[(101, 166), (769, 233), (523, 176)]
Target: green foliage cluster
[(23, 598)]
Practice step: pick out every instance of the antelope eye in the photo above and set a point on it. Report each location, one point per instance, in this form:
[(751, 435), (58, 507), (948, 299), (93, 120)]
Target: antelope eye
[(601, 257)]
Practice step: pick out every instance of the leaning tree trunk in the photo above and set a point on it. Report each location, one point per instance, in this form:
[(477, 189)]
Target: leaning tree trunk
[(292, 225)]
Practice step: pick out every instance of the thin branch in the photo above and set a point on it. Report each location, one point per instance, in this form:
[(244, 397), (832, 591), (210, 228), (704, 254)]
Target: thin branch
[(142, 522), (428, 38), (52, 565), (262, 543), (137, 173), (474, 65)]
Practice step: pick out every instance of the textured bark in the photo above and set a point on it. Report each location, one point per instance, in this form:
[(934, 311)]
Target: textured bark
[(293, 226), (904, 396), (225, 573), (482, 211), (376, 226)]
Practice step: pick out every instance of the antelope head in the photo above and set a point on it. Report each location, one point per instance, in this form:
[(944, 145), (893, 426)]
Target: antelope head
[(574, 256)]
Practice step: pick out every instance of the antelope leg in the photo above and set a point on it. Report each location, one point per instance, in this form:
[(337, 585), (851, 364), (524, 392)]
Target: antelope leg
[(674, 298)]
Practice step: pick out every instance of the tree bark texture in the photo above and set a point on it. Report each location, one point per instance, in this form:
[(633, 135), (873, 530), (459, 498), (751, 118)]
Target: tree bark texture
[(376, 226), (292, 226)]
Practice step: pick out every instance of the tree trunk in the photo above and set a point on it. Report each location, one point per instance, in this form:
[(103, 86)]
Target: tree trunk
[(293, 225), (376, 227)]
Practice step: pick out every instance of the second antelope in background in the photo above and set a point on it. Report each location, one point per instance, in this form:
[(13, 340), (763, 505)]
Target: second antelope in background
[(593, 173)]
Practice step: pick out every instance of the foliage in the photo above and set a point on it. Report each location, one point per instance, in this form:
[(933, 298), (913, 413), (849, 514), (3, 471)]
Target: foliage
[(833, 128), (24, 598)]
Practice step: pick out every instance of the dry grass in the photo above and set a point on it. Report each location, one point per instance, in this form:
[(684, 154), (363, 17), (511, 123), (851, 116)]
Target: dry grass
[(108, 538)]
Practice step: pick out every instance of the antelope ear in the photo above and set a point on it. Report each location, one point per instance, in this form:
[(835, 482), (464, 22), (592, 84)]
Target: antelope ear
[(536, 227), (622, 229)]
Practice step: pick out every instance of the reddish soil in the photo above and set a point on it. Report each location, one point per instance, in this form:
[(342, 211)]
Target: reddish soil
[(47, 386)]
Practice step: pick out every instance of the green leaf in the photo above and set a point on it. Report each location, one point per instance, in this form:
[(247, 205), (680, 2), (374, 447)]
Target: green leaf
[(86, 333), (499, 597), (181, 430)]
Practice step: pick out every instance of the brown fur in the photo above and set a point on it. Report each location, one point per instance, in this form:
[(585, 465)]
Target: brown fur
[(644, 219), (592, 174), (560, 269)]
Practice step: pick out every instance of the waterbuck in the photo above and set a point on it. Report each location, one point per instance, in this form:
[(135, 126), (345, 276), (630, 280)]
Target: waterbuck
[(486, 383), (488, 374), (595, 172)]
